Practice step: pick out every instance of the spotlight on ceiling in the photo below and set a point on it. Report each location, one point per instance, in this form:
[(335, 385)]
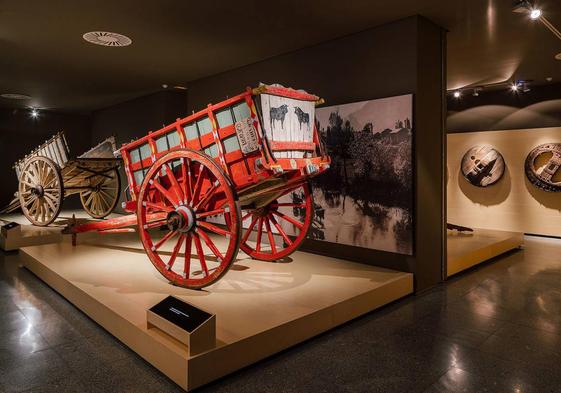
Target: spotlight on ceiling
[(525, 6), (515, 86), (457, 94), (535, 13), (525, 88), (34, 113), (476, 92)]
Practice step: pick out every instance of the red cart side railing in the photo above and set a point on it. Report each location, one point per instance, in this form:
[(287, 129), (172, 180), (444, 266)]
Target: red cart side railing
[(238, 169)]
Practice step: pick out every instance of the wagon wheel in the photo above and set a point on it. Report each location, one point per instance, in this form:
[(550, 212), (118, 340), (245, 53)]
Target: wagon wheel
[(40, 191), (102, 196), (184, 200), (280, 227)]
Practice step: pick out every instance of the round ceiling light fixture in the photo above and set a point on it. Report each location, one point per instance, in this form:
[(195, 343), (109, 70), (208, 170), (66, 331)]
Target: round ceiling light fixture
[(15, 96), (107, 38)]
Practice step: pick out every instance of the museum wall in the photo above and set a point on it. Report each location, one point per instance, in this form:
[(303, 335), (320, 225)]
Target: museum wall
[(513, 203), (135, 118), (20, 133), (504, 110), (399, 58)]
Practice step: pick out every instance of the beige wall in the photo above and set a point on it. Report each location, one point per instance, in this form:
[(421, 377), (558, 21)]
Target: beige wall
[(512, 204)]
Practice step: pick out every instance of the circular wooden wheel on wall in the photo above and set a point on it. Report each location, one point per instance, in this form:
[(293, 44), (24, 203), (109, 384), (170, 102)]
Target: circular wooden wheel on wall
[(103, 195), (278, 229), (189, 219), (40, 191)]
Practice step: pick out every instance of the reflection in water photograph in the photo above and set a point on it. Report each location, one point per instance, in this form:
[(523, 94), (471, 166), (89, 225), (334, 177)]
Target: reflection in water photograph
[(366, 200)]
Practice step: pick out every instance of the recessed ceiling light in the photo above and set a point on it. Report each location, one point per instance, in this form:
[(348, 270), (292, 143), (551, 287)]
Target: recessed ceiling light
[(15, 96), (457, 94), (558, 56), (107, 38)]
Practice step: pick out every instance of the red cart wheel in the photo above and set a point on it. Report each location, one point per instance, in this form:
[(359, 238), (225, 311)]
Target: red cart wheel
[(280, 227), (188, 195)]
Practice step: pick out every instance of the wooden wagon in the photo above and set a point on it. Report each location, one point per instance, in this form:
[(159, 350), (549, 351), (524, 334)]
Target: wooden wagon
[(234, 175), (47, 175)]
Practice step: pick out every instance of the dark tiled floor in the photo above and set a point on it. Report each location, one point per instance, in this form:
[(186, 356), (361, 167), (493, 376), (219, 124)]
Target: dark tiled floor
[(493, 329)]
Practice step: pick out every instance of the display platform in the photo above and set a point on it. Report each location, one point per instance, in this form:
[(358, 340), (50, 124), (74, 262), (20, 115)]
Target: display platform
[(26, 234), (467, 249), (261, 308), (31, 235)]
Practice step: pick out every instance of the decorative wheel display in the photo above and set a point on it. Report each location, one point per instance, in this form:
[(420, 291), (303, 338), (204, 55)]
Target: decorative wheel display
[(40, 191), (187, 205), (543, 167), (103, 194), (280, 227)]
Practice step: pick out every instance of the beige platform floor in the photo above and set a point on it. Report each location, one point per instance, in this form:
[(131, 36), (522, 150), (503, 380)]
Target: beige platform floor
[(467, 249), (261, 307)]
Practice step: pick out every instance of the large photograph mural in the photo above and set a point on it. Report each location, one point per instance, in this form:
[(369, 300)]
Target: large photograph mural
[(366, 199)]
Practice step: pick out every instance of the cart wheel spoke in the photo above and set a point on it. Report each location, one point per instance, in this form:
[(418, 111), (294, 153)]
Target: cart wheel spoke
[(259, 234), (210, 244), (289, 219), (164, 239), (281, 231), (249, 229), (199, 185), (187, 257), (270, 235), (213, 228), (204, 193), (156, 207), (174, 184), (207, 197), (175, 252), (201, 254), (165, 193), (211, 213)]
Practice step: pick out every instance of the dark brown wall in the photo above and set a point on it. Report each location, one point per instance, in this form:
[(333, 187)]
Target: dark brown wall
[(394, 59), (505, 110), (20, 133), (135, 118)]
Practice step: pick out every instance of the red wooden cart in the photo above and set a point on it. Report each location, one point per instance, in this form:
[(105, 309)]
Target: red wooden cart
[(234, 175)]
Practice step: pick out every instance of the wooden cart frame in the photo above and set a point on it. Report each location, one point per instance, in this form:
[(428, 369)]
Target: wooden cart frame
[(46, 176), (234, 175)]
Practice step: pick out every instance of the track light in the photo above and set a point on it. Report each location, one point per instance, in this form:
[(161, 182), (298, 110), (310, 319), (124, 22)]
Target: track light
[(457, 94), (514, 87), (535, 13), (34, 113), (476, 92)]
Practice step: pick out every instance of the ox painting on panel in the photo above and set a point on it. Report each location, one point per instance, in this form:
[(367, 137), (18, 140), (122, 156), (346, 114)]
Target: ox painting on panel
[(366, 200)]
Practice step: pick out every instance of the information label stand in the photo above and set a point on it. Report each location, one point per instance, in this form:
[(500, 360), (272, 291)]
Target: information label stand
[(186, 323)]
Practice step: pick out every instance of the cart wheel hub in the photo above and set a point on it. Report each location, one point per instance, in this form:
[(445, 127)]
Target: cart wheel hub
[(182, 219), (38, 190)]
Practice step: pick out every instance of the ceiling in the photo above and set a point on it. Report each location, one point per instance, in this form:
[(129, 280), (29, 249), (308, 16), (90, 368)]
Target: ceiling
[(174, 42)]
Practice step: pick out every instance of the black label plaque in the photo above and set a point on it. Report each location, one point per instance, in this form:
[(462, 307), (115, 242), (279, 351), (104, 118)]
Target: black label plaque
[(10, 225), (181, 314)]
